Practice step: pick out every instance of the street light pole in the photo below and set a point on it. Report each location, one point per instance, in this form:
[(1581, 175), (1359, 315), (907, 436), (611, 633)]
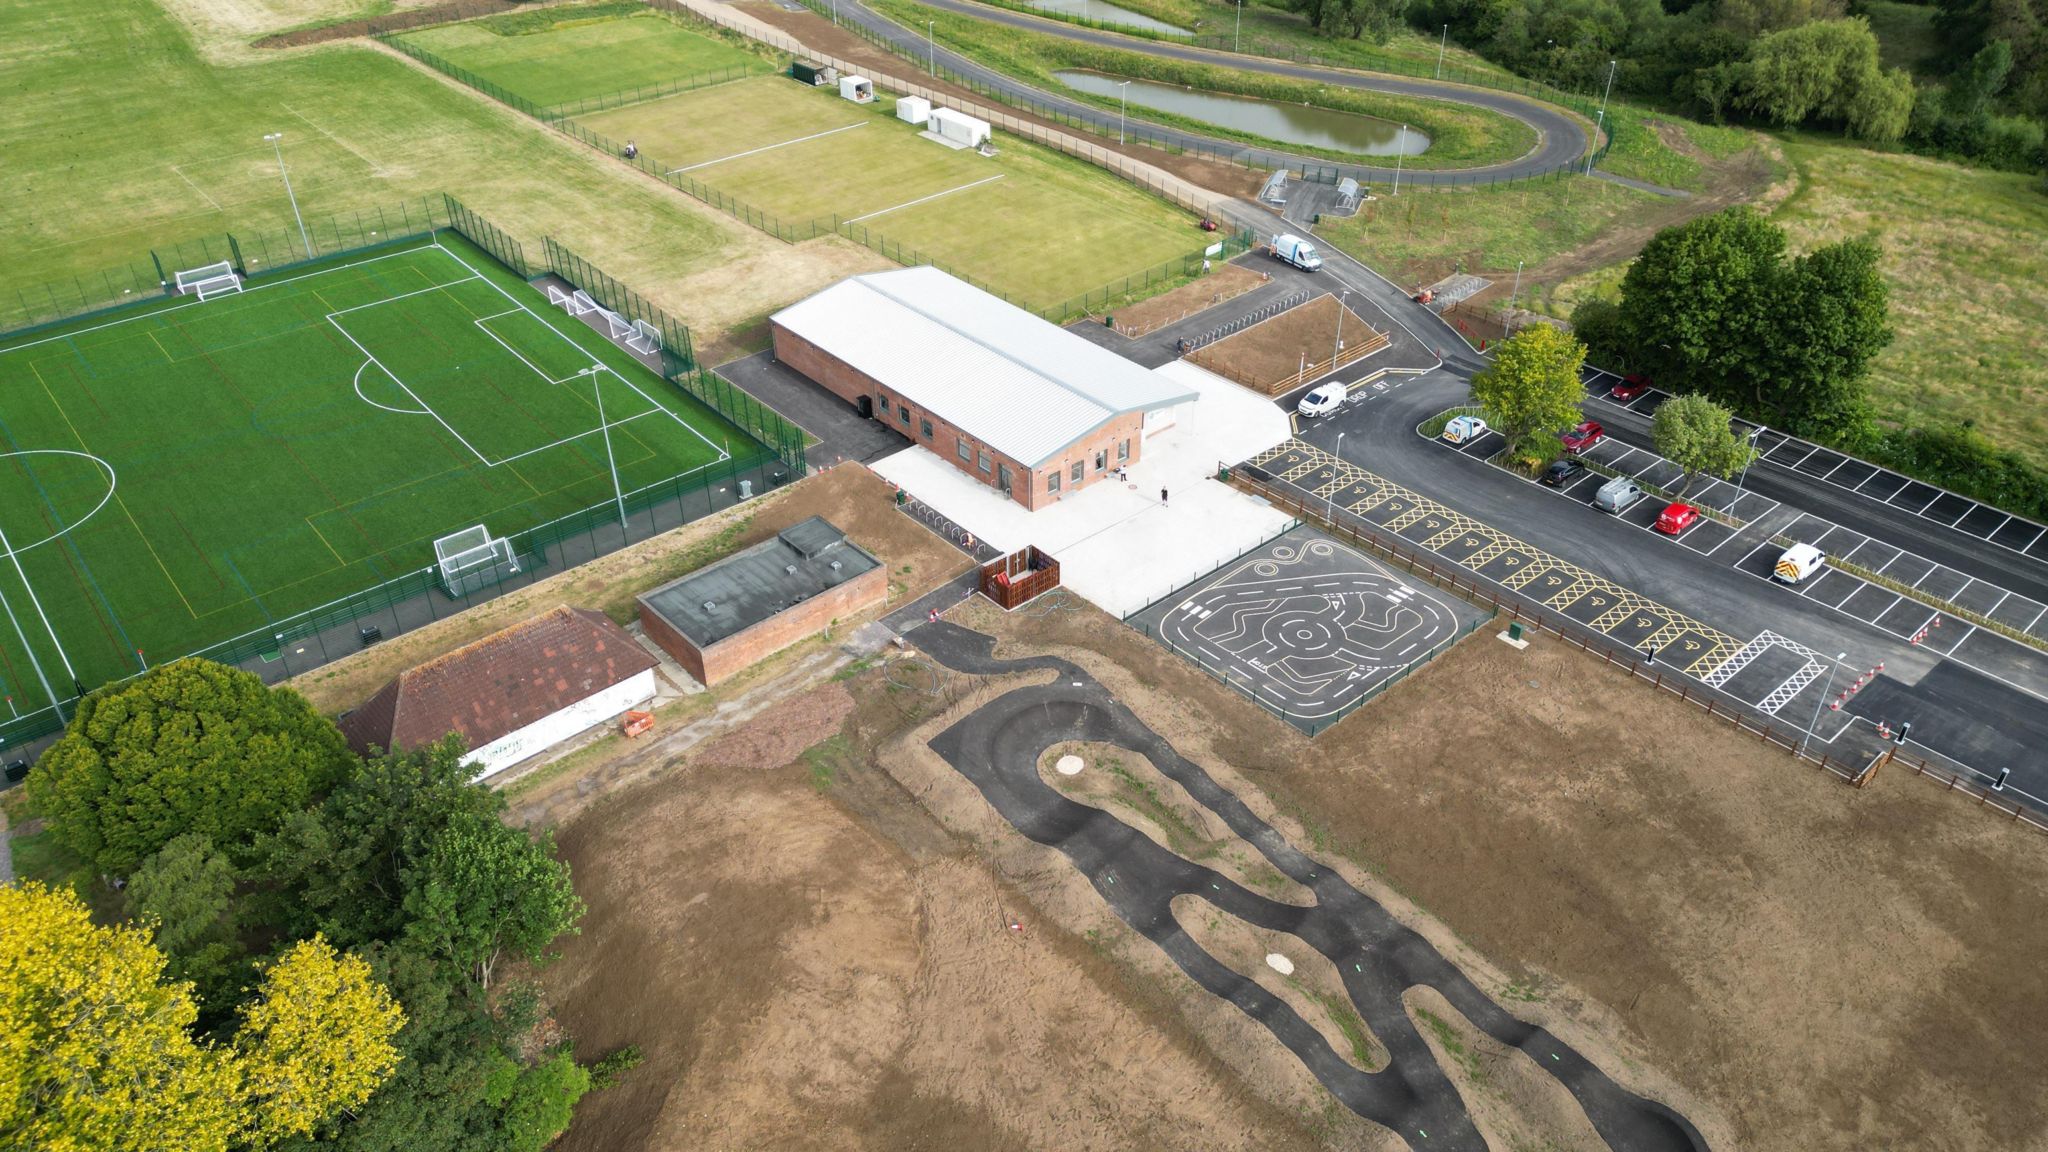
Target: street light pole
[(1598, 125), (1330, 499), (931, 47), (1747, 460), (1123, 104), (1238, 35), (278, 148), (1825, 688), (1441, 41), (1610, 84), (1515, 295), (1400, 150), (1338, 350)]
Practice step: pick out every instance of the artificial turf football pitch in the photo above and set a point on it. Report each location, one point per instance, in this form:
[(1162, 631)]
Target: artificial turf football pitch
[(178, 475)]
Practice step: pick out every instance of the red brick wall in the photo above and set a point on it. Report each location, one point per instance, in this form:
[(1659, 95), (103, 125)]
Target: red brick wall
[(1028, 487), (744, 649)]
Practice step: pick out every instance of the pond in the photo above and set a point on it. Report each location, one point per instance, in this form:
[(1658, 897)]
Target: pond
[(1271, 119), (1107, 14)]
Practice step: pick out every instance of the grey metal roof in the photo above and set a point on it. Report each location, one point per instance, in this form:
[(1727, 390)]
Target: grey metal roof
[(742, 590), (1021, 385)]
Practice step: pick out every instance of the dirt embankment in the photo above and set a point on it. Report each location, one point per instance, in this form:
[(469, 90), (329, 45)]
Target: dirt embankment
[(1794, 965)]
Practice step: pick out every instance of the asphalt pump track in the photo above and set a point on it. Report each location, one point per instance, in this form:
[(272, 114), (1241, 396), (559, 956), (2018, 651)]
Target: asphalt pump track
[(998, 747)]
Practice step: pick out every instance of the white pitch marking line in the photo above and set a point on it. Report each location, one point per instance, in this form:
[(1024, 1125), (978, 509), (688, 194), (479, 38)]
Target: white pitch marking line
[(923, 199), (376, 169), (373, 403), (415, 292), (766, 148), (197, 188), (429, 408)]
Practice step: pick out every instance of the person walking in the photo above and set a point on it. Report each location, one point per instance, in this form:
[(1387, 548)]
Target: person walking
[(1162, 497)]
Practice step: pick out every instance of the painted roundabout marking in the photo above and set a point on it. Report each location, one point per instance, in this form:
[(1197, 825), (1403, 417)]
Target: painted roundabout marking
[(104, 466)]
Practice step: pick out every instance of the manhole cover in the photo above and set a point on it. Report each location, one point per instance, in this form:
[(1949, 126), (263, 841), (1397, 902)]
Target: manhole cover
[(1280, 964), (1069, 766)]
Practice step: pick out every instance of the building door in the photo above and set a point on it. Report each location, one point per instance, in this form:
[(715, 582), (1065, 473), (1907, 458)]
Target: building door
[(1003, 478), (867, 407)]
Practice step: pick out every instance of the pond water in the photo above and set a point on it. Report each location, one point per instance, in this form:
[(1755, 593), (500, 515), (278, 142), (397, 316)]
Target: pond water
[(1107, 14), (1289, 123)]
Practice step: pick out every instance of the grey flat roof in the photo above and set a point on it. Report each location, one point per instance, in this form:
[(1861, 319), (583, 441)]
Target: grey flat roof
[(742, 590)]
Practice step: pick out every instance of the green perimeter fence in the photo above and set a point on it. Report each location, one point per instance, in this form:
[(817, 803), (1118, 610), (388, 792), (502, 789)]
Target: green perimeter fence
[(298, 643), (1105, 125)]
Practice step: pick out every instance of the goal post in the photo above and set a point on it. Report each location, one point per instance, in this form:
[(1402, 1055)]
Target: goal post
[(646, 338), (473, 559), (209, 281)]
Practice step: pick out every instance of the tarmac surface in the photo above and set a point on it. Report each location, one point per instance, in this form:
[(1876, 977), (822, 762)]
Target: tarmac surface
[(998, 747)]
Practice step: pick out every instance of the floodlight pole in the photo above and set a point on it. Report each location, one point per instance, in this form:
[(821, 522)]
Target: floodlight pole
[(1237, 36), (931, 46), (1441, 41), (278, 148), (1599, 125), (1610, 84), (1400, 151), (1123, 103), (597, 389), (1338, 349), (1823, 699)]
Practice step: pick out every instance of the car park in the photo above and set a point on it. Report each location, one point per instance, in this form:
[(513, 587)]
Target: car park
[(1676, 517), (1561, 472), (1323, 399), (1617, 494), (1464, 429), (1587, 434), (1631, 386), (1798, 562)]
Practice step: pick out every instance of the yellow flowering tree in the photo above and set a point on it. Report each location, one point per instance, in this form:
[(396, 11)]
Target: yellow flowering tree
[(316, 1040)]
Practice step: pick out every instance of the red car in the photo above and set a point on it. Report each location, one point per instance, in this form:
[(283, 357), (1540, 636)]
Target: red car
[(1676, 517), (1631, 386), (1583, 437)]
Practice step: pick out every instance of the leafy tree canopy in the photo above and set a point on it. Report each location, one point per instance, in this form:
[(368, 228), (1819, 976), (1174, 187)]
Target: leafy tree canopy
[(1533, 385), (1699, 436)]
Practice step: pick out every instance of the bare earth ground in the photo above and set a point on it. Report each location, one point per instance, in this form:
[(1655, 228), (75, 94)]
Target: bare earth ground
[(1226, 282), (1275, 347), (300, 22), (1821, 968), (820, 34), (851, 497)]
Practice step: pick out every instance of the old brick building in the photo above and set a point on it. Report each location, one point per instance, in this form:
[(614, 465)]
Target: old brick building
[(1018, 403), (726, 616)]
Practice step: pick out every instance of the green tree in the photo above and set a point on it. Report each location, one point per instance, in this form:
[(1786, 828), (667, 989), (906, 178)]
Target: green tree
[(485, 889), (538, 1101), (185, 896), (315, 1041), (1696, 305), (95, 1048), (1533, 385), (1831, 322), (1827, 71), (1699, 436), (191, 746)]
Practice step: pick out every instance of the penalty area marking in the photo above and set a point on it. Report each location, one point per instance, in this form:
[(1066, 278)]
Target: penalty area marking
[(765, 148), (923, 199), (12, 551), (386, 407)]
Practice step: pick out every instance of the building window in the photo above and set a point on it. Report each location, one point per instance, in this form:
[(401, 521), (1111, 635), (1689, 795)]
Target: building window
[(1078, 465), (882, 399), (965, 455), (1052, 480), (1123, 451), (927, 428), (903, 414), (1101, 461), (984, 461)]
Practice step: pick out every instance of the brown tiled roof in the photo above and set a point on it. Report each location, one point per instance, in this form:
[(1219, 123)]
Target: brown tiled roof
[(499, 684)]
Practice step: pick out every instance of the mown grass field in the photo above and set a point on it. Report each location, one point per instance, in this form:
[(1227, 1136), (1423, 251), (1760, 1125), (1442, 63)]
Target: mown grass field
[(122, 138), (1966, 255), (1035, 225), (185, 472), (554, 56)]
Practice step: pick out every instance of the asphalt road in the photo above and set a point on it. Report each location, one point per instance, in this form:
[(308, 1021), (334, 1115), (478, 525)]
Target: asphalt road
[(998, 747), (1561, 139)]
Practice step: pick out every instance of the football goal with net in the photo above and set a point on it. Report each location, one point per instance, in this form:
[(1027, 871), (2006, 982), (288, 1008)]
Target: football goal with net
[(473, 559), (209, 281)]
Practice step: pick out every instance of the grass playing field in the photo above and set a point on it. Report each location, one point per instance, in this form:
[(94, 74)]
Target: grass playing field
[(1038, 226), (179, 475), (553, 56)]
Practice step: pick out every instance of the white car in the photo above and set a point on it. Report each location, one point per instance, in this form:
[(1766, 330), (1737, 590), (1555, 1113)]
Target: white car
[(1798, 562), (1323, 399), (1464, 429)]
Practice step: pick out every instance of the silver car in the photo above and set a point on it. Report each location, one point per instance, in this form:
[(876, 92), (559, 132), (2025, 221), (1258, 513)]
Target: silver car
[(1617, 494)]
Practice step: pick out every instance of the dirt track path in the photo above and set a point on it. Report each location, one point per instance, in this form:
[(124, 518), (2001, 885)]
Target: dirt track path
[(998, 748)]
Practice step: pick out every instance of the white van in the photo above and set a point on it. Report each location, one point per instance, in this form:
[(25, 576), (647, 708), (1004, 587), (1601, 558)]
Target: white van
[(1323, 399), (1296, 251), (1798, 562)]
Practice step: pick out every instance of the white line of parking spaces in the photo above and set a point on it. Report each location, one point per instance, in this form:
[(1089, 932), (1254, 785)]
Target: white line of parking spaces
[(1704, 536), (1938, 505), (1918, 572)]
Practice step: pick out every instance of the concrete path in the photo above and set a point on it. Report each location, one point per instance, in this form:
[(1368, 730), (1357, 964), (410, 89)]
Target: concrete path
[(998, 746)]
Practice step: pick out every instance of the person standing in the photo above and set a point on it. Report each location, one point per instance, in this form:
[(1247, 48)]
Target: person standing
[(1162, 497)]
